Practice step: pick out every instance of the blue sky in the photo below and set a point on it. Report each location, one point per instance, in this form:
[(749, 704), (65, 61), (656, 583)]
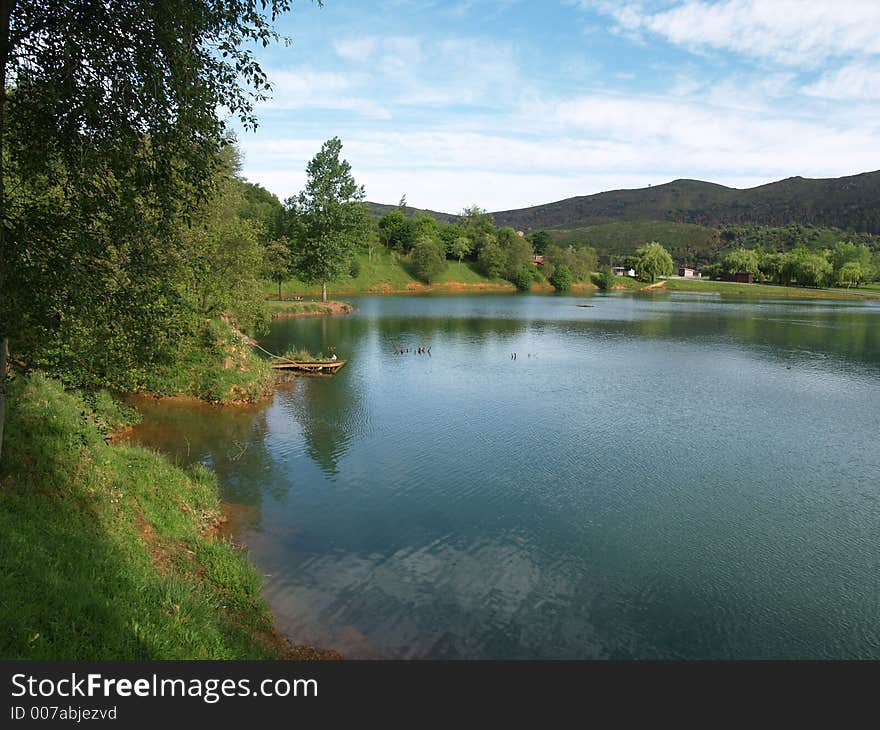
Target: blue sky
[(510, 103)]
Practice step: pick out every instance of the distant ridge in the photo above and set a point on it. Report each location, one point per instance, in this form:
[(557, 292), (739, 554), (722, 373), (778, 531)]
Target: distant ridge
[(850, 203), (380, 209)]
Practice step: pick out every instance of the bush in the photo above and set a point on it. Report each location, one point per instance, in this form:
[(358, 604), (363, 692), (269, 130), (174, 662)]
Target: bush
[(562, 278), (492, 260), (523, 278), (355, 268), (605, 278), (428, 259)]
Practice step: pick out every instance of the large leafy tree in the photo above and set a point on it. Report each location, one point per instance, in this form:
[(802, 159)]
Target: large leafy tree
[(330, 217), (109, 118), (652, 261), (478, 225), (741, 260), (221, 254)]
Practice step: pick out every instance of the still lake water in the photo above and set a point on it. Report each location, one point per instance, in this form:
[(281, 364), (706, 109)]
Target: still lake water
[(652, 476)]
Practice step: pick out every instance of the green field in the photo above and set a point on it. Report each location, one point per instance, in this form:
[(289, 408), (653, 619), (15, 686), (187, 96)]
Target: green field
[(767, 290)]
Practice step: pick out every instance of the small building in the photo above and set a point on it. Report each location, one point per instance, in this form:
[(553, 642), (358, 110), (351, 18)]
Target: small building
[(623, 271), (744, 277), (686, 272), (538, 260)]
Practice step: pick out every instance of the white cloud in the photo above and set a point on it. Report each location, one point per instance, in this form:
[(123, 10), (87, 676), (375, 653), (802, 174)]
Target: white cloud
[(579, 146), (856, 81), (306, 88), (454, 121), (794, 32), (355, 49)]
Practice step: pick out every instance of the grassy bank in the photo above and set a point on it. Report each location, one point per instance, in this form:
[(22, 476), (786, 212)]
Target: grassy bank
[(109, 551), (280, 309), (389, 273), (221, 368), (766, 290)]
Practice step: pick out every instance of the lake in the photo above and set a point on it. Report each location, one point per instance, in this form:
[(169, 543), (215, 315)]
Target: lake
[(652, 476)]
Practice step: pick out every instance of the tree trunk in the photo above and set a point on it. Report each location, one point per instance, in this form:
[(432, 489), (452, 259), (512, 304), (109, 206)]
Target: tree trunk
[(279, 290), (324, 291), (6, 7), (4, 349)]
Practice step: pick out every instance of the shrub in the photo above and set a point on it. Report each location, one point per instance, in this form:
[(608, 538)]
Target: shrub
[(428, 259), (605, 278), (562, 278), (523, 278)]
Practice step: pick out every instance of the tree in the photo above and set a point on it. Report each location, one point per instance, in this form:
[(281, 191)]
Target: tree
[(262, 207), (331, 216), (605, 280), (741, 260), (477, 225), (522, 279), (583, 263), (428, 259), (770, 266), (850, 274), (540, 240), (492, 259), (115, 107), (562, 278), (580, 262), (814, 270), (652, 261), (396, 231), (222, 256), (460, 248), (517, 252), (371, 239), (277, 262)]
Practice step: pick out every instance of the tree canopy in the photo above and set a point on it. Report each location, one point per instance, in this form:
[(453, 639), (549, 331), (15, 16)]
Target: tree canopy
[(652, 261), (111, 119)]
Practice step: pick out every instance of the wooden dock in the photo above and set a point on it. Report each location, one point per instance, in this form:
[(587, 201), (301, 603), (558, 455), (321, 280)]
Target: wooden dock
[(309, 366)]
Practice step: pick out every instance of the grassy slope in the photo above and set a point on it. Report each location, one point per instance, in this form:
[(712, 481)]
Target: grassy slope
[(107, 551), (387, 273)]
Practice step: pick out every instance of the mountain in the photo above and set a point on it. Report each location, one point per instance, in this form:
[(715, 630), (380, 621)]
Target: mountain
[(846, 202), (850, 203), (380, 209)]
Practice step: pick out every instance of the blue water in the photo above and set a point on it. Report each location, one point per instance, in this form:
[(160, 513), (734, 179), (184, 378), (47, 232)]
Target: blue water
[(652, 476)]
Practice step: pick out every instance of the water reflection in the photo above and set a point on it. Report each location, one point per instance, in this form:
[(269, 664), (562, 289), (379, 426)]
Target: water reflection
[(653, 476)]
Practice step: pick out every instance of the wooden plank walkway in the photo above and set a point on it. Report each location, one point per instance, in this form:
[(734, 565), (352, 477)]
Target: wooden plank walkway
[(310, 366)]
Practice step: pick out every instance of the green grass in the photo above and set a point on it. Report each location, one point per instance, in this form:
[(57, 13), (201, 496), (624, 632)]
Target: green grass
[(300, 355), (389, 272), (219, 369), (627, 282), (288, 308), (107, 550), (766, 290)]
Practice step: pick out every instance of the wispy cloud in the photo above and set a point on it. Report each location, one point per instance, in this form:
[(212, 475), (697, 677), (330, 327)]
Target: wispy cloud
[(517, 115), (795, 32), (857, 81)]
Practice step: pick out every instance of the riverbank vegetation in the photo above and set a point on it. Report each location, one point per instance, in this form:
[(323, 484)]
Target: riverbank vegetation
[(132, 256), (109, 551)]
